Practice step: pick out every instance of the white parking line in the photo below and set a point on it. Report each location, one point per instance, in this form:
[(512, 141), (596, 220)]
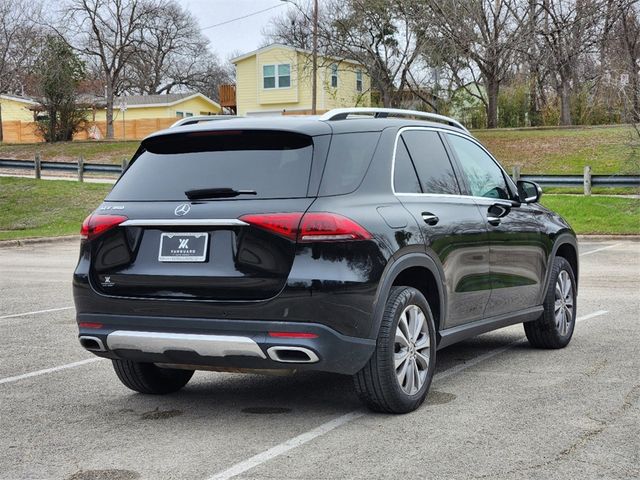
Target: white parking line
[(600, 249), (306, 437), (49, 370), (14, 315)]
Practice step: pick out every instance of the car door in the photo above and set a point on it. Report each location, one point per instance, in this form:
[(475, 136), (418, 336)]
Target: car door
[(452, 226), (517, 252)]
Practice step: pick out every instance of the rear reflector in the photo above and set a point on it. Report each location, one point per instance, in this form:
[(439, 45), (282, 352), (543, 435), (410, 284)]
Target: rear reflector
[(292, 335), (96, 224), (309, 227), (89, 325)]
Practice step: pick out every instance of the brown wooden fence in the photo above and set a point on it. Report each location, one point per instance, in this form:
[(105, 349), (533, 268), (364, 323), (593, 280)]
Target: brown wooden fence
[(26, 132)]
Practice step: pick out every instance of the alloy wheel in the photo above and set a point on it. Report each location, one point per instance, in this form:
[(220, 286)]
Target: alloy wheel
[(412, 349), (564, 302)]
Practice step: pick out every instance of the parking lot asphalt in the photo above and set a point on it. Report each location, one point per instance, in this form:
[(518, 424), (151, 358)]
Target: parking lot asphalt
[(497, 408)]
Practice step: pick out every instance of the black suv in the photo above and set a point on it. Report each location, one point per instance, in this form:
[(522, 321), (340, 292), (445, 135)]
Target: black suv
[(358, 242)]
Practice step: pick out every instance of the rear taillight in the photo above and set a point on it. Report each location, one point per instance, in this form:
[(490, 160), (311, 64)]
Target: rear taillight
[(283, 224), (309, 227), (96, 224), (327, 227)]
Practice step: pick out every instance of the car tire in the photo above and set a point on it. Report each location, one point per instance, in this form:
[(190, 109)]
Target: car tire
[(148, 378), (554, 328), (381, 385)]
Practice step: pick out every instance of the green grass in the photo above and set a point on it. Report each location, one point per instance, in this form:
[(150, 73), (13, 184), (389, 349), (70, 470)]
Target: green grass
[(45, 208), (92, 151), (607, 150), (597, 214)]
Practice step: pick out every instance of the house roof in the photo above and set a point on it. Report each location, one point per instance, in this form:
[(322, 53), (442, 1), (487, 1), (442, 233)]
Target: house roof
[(273, 46), (138, 101), (18, 98)]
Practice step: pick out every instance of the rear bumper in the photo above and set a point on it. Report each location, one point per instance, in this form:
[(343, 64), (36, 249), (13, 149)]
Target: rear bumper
[(223, 343)]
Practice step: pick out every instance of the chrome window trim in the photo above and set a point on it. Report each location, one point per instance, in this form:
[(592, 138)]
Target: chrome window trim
[(444, 130), (181, 222)]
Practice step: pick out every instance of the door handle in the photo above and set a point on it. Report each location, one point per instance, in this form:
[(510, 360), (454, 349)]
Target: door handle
[(430, 218), (496, 212)]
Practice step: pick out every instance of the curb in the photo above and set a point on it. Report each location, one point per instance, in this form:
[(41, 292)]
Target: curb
[(23, 242), (630, 237)]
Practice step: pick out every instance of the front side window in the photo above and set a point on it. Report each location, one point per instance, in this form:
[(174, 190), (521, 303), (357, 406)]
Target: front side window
[(483, 175), (334, 75), (276, 76), (431, 162), (359, 81)]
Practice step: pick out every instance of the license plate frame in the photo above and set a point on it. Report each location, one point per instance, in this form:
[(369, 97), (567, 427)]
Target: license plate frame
[(181, 253)]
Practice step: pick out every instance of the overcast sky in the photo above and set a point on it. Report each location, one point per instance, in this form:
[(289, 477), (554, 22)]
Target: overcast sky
[(240, 36)]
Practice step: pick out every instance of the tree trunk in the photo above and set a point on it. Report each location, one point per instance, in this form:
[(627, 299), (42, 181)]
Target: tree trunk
[(565, 102), (635, 92), (493, 88), (109, 99)]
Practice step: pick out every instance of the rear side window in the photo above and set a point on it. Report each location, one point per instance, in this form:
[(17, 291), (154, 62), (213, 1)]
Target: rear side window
[(431, 161), (275, 164), (405, 179), (348, 160)]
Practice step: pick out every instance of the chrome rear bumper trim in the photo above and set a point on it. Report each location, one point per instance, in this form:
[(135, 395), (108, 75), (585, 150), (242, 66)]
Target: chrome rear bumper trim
[(205, 345), (180, 222)]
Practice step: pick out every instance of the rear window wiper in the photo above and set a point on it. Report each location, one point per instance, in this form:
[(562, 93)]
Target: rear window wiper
[(202, 193)]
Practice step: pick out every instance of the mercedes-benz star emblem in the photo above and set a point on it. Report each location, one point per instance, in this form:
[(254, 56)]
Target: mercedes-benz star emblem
[(182, 209)]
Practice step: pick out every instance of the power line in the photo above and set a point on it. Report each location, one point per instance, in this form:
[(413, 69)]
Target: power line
[(243, 17)]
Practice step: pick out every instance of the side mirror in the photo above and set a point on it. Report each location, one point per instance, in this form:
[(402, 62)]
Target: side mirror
[(529, 192)]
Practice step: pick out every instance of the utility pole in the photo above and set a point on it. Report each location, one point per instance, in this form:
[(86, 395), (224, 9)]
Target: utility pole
[(314, 54)]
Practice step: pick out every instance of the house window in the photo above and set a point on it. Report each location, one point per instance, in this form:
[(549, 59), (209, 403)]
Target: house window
[(276, 76), (188, 114), (284, 75), (334, 75), (180, 114), (359, 80)]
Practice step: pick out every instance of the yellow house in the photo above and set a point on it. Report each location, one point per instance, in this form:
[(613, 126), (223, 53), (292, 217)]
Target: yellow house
[(277, 79), (15, 108), (172, 105)]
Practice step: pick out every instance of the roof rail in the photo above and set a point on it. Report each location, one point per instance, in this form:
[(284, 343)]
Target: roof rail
[(200, 119), (343, 113)]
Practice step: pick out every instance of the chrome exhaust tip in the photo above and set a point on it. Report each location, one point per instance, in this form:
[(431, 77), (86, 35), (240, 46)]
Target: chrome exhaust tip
[(93, 344), (286, 354)]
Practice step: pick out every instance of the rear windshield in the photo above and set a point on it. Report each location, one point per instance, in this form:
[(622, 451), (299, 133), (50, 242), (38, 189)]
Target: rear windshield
[(275, 164)]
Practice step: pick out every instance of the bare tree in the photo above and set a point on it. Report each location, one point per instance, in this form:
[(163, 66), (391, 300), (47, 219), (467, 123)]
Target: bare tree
[(568, 30), (173, 53), (629, 36), (109, 32), (379, 34), (20, 37), (479, 39)]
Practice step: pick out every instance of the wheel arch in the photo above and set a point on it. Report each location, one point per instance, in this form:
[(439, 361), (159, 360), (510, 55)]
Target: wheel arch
[(417, 270), (565, 246)]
